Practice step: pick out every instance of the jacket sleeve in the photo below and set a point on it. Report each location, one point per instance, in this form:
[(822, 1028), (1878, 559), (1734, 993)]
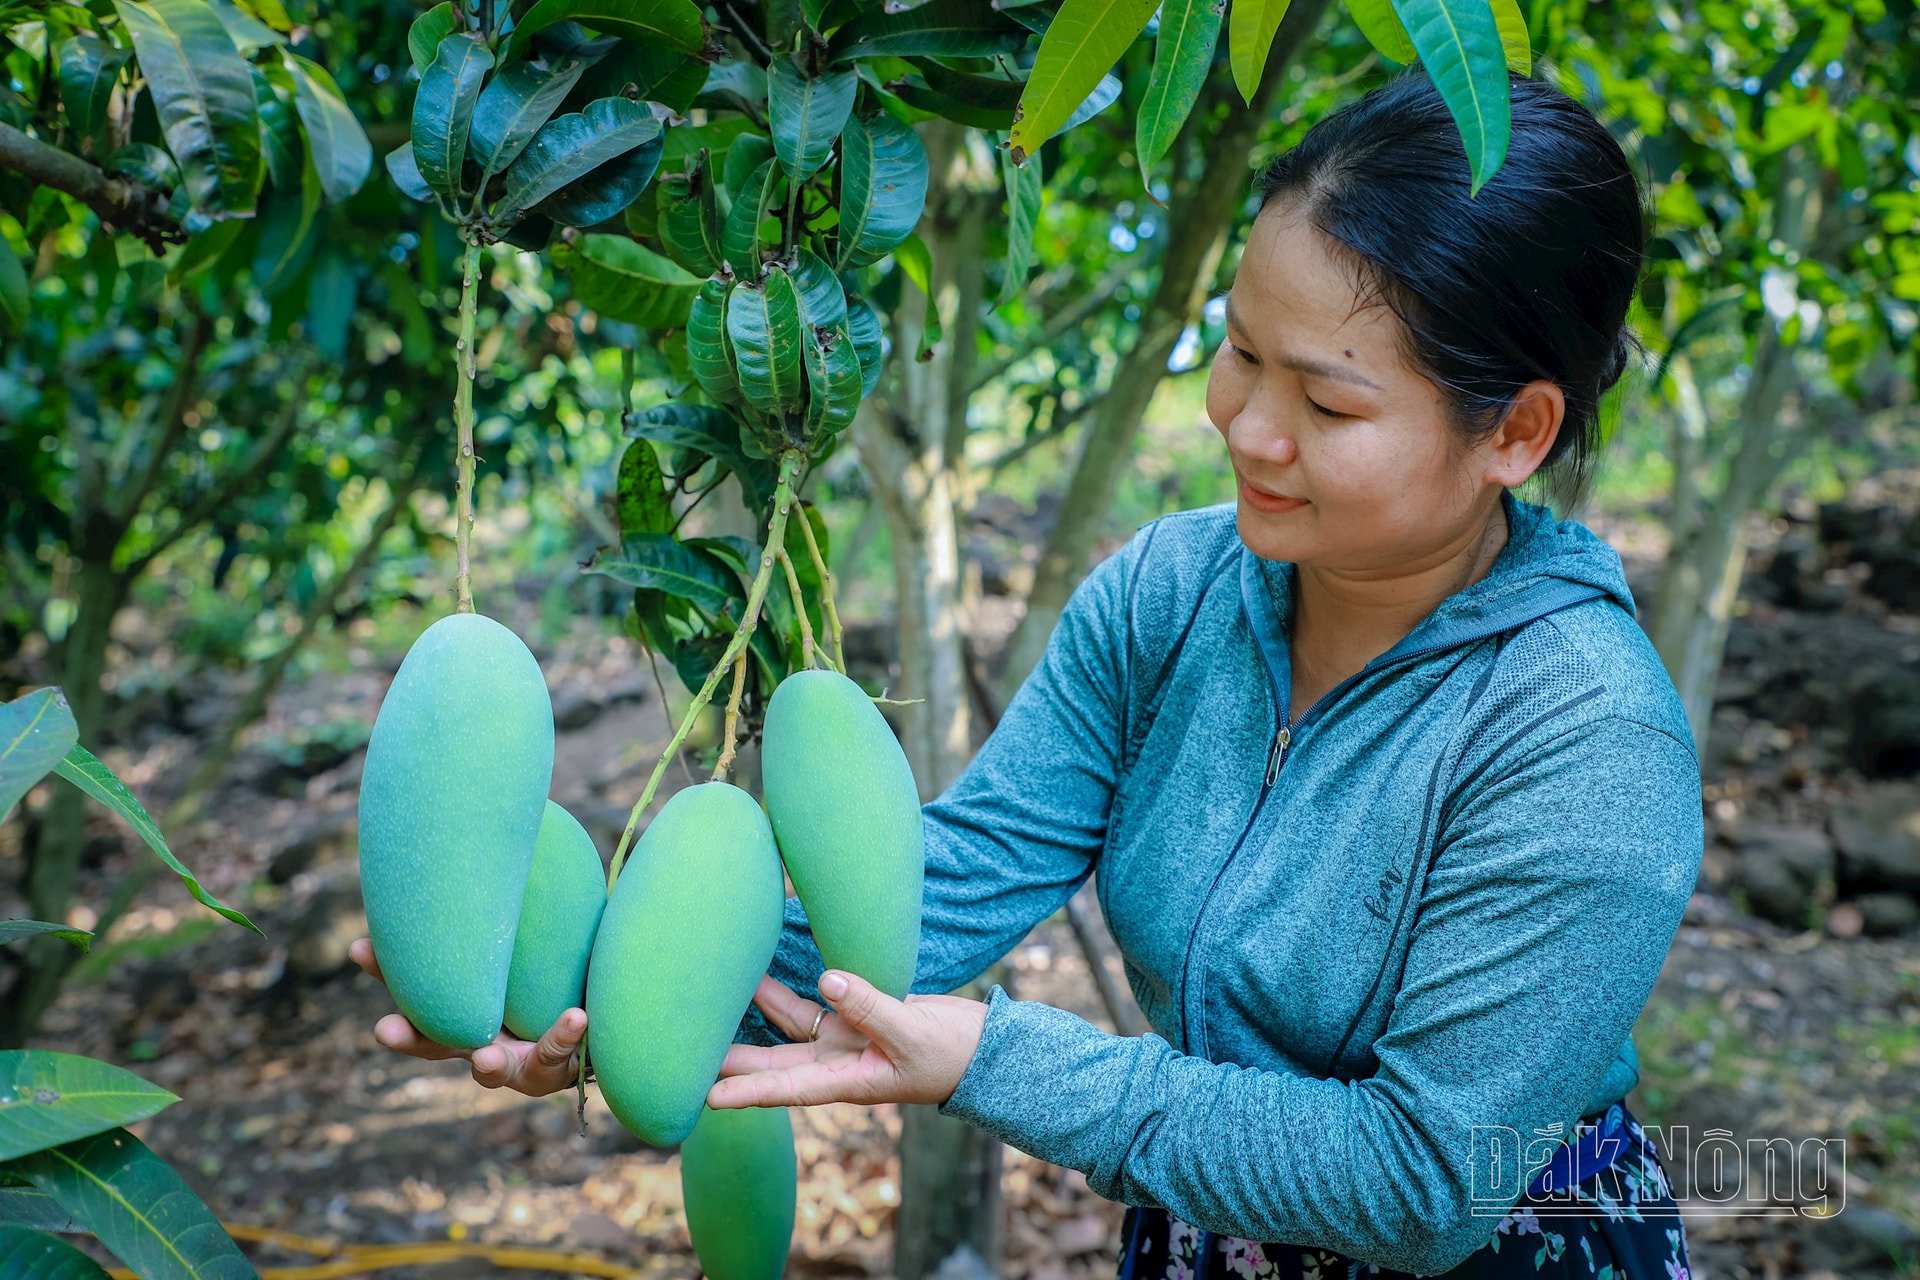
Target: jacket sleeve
[(1018, 831), (1556, 892)]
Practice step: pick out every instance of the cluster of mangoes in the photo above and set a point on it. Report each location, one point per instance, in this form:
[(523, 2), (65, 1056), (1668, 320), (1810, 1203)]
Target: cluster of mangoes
[(487, 902)]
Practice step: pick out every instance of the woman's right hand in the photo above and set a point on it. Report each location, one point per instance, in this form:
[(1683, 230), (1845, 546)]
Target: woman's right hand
[(535, 1068)]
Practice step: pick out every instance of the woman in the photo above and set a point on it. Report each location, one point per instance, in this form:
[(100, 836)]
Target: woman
[(1395, 810)]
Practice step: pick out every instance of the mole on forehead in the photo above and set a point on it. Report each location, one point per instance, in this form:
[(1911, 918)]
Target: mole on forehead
[(1310, 366)]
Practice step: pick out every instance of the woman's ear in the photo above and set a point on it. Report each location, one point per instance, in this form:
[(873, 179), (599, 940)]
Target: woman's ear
[(1515, 451)]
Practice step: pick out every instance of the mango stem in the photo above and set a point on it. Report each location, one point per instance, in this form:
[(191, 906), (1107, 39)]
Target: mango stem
[(465, 369), (791, 462), (733, 718), (832, 615), (799, 603)]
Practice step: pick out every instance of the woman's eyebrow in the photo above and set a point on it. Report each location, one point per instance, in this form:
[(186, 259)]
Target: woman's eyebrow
[(1308, 366)]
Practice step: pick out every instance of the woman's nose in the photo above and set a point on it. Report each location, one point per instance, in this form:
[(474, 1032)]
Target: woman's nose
[(1252, 436)]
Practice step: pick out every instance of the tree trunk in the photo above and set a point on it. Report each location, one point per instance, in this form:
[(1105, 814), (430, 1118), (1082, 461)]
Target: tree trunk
[(1201, 212)]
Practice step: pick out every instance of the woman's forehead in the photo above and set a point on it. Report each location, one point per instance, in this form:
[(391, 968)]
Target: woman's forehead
[(1293, 292)]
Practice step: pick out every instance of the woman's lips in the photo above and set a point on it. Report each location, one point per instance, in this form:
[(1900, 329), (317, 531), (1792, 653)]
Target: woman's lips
[(1266, 502)]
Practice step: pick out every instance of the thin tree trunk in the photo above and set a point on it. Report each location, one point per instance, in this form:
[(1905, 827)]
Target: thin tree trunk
[(1201, 212)]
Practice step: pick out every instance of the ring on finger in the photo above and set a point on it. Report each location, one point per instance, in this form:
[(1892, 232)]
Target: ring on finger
[(818, 1018)]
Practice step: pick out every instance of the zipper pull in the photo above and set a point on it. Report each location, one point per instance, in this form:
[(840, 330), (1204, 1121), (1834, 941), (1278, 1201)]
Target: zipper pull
[(1281, 741)]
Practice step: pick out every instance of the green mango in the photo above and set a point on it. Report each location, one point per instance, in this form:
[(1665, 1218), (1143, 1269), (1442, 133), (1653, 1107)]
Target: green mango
[(687, 935), (739, 1180), (456, 780), (846, 813), (566, 893)]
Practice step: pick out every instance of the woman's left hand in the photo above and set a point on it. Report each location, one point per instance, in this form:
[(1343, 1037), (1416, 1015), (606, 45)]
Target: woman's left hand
[(872, 1048)]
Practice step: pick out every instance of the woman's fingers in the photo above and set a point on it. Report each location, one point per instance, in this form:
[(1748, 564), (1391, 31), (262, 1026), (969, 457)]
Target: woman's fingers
[(792, 1014), (743, 1059), (803, 1084), (553, 1052), (360, 951), (396, 1033)]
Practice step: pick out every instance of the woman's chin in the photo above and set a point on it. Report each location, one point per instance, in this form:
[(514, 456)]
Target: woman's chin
[(1266, 535)]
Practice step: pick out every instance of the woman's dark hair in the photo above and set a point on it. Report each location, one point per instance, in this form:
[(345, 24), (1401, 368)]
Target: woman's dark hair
[(1531, 278)]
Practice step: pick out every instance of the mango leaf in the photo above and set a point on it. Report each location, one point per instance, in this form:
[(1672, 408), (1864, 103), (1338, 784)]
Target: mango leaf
[(807, 113), (202, 91), (33, 1255), (1104, 95), (13, 930), (917, 262), (512, 108), (753, 203), (643, 502), (1381, 26), (1513, 36), (763, 322), (279, 134), (337, 145), (833, 381), (443, 112), (624, 280), (1182, 55), (1082, 44), (674, 24), (138, 1206), (1459, 45), (84, 770), (943, 28), (427, 31), (823, 301), (716, 138), (739, 86), (247, 31), (744, 158), (89, 69), (982, 101), (332, 287), (1250, 39), (606, 191), (661, 562), (1023, 213), (406, 173), (144, 162), (570, 147), (15, 296), (287, 233), (35, 732), (695, 428), (35, 1210), (863, 325), (689, 219), (49, 1098), (883, 189), (708, 352), (783, 21)]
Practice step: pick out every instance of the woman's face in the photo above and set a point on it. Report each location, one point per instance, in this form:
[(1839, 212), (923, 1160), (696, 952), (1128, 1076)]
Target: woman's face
[(1316, 405)]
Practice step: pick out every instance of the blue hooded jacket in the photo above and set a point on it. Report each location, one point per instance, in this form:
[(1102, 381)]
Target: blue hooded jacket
[(1436, 900)]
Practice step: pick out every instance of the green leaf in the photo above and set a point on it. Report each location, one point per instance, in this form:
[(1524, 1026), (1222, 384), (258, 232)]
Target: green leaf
[(279, 134), (34, 1255), (84, 770), (833, 382), (696, 428), (15, 297), (1182, 55), (512, 108), (608, 190), (24, 1206), (138, 1206), (917, 262), (1381, 26), (823, 301), (406, 173), (763, 321), (942, 28), (644, 503), (883, 189), (1082, 44), (1250, 39), (708, 350), (753, 203), (332, 287), (1514, 40), (863, 324), (336, 144), (1459, 45), (744, 158), (35, 732), (661, 562), (13, 930), (247, 31), (1023, 213), (202, 91), (570, 147), (689, 219), (624, 280), (144, 162), (427, 31), (443, 112), (49, 1098), (675, 24), (666, 76), (716, 137), (89, 69), (287, 233), (807, 114)]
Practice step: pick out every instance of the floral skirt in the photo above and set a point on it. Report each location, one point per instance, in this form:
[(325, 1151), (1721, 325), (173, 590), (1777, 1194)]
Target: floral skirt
[(1618, 1222)]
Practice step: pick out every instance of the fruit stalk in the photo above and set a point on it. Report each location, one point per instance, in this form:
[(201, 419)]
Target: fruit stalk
[(791, 462), (463, 355), (733, 718), (832, 615), (799, 603)]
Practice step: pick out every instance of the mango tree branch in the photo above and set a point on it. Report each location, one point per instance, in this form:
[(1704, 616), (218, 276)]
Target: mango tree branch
[(121, 203), (175, 405), (790, 465)]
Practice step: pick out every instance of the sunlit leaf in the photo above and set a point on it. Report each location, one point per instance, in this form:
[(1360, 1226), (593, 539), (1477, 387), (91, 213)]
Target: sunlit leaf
[(1083, 43), (202, 91), (36, 731), (1459, 45), (49, 1098), (1253, 25)]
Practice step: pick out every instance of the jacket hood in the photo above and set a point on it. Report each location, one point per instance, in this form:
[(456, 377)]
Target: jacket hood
[(1548, 564)]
